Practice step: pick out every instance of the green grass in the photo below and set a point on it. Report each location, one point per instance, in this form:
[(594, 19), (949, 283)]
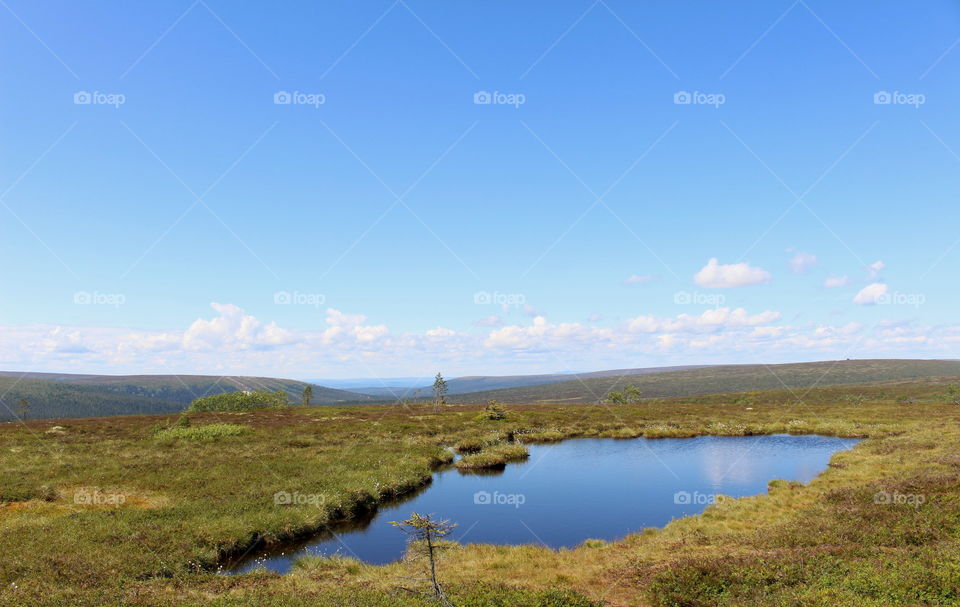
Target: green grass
[(207, 432), (493, 457), (190, 503)]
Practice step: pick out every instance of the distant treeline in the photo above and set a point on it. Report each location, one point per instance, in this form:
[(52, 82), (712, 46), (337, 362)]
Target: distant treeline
[(51, 396), (50, 399)]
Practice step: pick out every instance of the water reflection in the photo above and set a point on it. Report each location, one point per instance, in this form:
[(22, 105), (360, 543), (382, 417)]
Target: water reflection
[(574, 490)]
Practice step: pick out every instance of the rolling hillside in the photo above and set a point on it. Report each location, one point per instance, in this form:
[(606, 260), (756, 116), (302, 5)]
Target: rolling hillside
[(53, 399), (53, 395), (727, 378), (480, 383)]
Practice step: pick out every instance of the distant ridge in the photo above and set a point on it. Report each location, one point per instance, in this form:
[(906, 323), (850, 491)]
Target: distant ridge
[(477, 383), (56, 395), (721, 379), (63, 395)]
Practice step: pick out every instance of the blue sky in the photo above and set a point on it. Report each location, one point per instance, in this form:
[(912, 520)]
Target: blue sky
[(358, 236)]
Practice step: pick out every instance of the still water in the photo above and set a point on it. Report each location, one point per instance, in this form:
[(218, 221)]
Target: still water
[(574, 490)]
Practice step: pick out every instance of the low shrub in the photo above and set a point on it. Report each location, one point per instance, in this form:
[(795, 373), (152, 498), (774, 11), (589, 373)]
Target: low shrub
[(493, 411), (621, 433), (668, 432), (547, 436), (475, 444), (208, 432), (239, 401)]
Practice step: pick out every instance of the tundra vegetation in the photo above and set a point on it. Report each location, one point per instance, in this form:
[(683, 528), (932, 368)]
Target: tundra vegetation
[(141, 510), (240, 401)]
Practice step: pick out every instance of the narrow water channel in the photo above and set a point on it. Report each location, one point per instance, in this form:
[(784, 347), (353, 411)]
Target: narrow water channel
[(572, 491)]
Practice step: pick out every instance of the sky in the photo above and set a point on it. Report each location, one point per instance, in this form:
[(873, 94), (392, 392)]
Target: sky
[(391, 188)]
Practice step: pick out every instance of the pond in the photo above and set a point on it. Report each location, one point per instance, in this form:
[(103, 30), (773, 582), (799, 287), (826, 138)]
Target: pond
[(571, 491)]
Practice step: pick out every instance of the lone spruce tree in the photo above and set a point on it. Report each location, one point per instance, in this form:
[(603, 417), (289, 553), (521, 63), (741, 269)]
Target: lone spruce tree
[(424, 533), (307, 395), (439, 391)]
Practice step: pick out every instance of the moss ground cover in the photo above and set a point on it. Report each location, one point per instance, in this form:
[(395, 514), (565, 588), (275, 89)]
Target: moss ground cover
[(103, 511)]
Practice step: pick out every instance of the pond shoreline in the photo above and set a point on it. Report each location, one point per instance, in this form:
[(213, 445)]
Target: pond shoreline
[(365, 511)]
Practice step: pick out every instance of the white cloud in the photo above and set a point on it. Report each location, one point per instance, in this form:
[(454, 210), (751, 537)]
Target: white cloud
[(638, 279), (717, 276), (441, 332), (349, 345), (801, 262), (64, 341), (875, 268), (767, 332), (233, 329), (346, 328), (832, 282), (870, 294), (708, 321)]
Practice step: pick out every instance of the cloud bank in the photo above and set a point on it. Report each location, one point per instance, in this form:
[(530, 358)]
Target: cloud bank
[(349, 345)]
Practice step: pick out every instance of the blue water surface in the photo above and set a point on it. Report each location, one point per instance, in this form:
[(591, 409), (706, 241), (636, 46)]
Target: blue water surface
[(574, 490)]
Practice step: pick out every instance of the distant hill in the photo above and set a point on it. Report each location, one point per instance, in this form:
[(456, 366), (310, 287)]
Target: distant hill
[(716, 379), (51, 399), (60, 395), (54, 395), (478, 383)]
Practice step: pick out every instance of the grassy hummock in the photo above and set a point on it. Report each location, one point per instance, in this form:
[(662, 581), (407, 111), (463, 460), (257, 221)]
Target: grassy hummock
[(493, 457), (207, 432)]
